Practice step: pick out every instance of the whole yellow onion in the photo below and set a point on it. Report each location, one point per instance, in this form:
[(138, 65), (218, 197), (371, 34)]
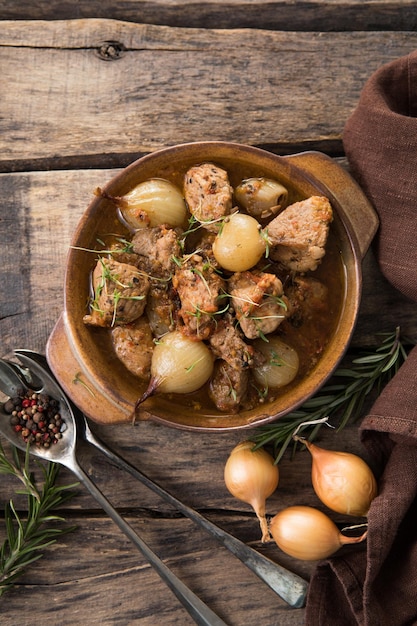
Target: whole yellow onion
[(179, 365), (239, 245), (307, 533), (281, 365), (252, 476), (342, 480), (151, 203), (261, 197)]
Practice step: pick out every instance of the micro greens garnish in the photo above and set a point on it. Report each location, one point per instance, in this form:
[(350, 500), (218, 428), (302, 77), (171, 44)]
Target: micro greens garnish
[(259, 318), (200, 274), (78, 380), (108, 276), (262, 394), (193, 226), (276, 360), (218, 220), (27, 538), (278, 300), (232, 390), (117, 296), (221, 226), (261, 334), (178, 261), (198, 312), (266, 297), (369, 372), (264, 235), (127, 247), (192, 366), (221, 311)]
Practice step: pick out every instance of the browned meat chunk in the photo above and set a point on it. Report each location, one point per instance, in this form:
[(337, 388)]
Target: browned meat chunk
[(124, 254), (208, 194), (227, 343), (134, 346), (205, 244), (161, 308), (258, 301), (298, 235), (120, 292), (157, 247), (308, 300), (310, 309), (198, 287), (228, 386)]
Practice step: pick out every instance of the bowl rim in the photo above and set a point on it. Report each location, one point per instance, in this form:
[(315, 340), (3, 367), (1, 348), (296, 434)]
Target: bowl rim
[(66, 336)]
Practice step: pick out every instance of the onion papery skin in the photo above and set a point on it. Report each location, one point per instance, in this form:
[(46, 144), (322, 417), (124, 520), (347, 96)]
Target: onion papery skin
[(308, 534), (252, 476), (179, 364), (342, 481)]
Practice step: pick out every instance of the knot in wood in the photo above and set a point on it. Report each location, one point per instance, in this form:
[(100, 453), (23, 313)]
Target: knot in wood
[(111, 50)]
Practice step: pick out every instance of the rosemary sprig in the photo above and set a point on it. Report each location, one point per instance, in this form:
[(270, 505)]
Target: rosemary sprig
[(343, 402), (15, 468), (26, 538)]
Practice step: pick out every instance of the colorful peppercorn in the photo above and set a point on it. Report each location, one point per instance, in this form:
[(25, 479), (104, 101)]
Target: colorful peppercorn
[(36, 417)]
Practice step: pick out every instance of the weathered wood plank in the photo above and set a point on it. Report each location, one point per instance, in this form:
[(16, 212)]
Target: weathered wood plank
[(188, 465), (102, 568), (106, 581), (64, 104), (310, 15)]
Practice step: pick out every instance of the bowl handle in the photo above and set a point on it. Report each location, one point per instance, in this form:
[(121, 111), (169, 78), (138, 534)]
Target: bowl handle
[(337, 183), (90, 399)]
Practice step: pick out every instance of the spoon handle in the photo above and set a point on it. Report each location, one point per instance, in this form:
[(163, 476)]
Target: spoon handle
[(289, 586), (199, 611)]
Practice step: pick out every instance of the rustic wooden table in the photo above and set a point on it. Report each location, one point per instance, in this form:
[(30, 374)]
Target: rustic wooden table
[(86, 88)]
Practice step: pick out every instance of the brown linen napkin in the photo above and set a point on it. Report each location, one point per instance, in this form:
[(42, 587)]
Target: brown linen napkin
[(376, 584)]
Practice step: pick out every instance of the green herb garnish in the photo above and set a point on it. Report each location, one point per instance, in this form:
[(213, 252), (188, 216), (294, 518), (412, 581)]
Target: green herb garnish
[(27, 537), (370, 371)]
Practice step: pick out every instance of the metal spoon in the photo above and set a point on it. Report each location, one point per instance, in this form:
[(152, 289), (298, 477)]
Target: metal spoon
[(14, 378), (289, 586), (64, 453)]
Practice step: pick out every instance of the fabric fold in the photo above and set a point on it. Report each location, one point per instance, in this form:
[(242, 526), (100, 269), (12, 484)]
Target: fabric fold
[(375, 584), (380, 141)]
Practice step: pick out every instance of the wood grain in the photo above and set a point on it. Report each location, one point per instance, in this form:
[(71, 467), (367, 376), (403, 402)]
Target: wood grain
[(102, 568), (73, 110), (43, 209), (310, 15), (64, 106), (128, 592)]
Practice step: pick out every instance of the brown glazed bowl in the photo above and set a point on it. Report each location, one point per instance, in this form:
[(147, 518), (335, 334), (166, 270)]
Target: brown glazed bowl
[(88, 369)]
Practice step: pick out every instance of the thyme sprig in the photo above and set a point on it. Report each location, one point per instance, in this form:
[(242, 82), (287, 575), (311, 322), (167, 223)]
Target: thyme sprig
[(27, 537), (342, 401)]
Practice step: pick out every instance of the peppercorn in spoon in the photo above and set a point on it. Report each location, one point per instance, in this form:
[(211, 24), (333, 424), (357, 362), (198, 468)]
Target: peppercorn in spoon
[(286, 584), (64, 453)]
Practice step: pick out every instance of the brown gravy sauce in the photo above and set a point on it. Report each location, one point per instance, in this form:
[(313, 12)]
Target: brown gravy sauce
[(309, 339)]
